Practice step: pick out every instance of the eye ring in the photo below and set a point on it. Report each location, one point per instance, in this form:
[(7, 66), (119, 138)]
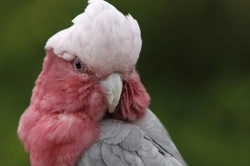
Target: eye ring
[(78, 64)]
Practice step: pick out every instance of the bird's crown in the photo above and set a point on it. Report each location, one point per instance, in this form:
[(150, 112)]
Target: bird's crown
[(102, 37)]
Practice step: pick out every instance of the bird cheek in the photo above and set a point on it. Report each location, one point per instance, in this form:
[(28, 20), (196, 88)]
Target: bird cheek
[(95, 102), (134, 99)]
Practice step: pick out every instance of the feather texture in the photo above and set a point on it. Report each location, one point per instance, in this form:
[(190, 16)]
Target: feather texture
[(127, 144), (102, 37), (66, 121)]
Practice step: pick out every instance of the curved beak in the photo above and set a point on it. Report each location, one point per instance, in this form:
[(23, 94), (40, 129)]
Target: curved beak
[(113, 88)]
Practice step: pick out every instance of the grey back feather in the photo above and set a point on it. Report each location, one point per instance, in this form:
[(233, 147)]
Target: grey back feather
[(141, 143)]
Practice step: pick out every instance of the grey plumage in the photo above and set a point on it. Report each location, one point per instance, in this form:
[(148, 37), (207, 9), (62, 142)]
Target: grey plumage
[(144, 142)]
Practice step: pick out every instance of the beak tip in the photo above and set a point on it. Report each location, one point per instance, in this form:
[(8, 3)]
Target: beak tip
[(111, 110), (113, 87)]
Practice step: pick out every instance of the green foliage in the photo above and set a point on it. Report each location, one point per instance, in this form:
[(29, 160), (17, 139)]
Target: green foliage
[(194, 63)]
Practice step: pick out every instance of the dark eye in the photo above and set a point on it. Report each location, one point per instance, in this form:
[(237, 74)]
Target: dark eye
[(78, 64)]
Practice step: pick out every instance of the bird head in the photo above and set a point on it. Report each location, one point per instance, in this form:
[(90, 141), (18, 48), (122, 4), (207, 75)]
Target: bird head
[(105, 46), (89, 68)]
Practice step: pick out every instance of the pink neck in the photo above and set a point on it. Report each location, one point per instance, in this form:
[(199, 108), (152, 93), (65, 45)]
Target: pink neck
[(60, 139)]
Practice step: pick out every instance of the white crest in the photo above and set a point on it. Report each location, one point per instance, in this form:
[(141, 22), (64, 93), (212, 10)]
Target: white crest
[(104, 39)]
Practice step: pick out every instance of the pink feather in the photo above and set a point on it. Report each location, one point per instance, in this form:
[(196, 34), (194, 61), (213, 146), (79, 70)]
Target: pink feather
[(61, 120), (134, 99)]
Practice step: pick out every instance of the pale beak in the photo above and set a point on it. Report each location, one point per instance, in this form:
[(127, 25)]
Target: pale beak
[(113, 88)]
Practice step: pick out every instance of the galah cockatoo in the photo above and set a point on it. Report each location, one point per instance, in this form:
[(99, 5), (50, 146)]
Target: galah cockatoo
[(88, 105)]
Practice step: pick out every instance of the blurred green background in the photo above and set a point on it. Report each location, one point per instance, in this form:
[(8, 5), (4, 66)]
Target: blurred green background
[(194, 63)]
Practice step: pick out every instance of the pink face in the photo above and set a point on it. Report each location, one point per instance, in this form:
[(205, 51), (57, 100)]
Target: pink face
[(67, 103), (65, 86), (71, 87)]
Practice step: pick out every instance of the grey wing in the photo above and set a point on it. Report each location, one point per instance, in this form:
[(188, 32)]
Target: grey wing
[(124, 144), (154, 129)]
